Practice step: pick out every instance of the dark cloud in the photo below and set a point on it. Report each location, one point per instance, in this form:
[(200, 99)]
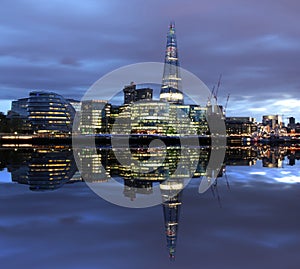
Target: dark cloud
[(66, 46)]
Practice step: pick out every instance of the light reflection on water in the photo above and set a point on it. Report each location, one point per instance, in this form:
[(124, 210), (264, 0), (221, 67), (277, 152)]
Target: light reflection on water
[(249, 218)]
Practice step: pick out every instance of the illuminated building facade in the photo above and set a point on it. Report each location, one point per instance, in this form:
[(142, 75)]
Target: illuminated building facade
[(171, 193), (273, 121), (95, 116), (171, 90), (76, 104), (18, 116), (156, 117), (241, 126), (93, 164), (20, 106), (132, 94), (50, 113), (47, 168), (50, 169)]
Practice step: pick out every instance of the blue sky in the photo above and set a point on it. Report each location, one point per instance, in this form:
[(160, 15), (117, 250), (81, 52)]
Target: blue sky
[(65, 46)]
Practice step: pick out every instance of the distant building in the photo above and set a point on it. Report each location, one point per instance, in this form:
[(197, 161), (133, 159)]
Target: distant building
[(241, 125), (18, 116), (273, 121), (76, 104), (292, 122), (49, 113), (132, 94), (20, 106)]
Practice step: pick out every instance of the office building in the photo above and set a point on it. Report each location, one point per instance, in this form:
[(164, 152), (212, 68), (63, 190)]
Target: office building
[(95, 117), (132, 94), (273, 121), (244, 126), (49, 113)]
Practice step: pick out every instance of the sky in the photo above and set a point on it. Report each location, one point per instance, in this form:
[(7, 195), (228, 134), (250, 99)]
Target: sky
[(65, 46)]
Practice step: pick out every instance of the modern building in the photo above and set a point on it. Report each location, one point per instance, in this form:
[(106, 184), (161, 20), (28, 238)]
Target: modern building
[(49, 113), (20, 106), (171, 90), (242, 126), (273, 121), (132, 94), (95, 116), (18, 116), (76, 104)]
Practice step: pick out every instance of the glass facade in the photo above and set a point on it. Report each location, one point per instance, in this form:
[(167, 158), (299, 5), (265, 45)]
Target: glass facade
[(49, 113), (95, 117), (171, 90)]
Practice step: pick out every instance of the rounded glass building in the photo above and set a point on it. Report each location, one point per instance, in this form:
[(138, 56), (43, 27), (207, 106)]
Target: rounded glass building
[(49, 113)]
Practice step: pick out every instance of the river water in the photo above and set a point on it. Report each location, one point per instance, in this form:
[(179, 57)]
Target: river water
[(50, 218)]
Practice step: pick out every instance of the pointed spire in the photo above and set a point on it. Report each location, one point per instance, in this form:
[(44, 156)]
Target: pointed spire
[(171, 89), (171, 208)]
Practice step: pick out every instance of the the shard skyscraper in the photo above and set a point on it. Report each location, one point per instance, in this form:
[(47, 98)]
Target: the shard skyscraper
[(171, 90)]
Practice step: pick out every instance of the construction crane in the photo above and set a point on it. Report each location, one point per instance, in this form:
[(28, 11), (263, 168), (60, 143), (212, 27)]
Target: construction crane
[(225, 107), (217, 90)]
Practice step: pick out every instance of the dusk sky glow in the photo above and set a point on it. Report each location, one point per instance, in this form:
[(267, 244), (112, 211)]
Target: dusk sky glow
[(65, 46)]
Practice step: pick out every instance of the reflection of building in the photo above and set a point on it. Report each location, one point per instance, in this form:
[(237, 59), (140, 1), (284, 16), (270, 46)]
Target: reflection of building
[(272, 157), (133, 187), (50, 113), (43, 168), (171, 84), (49, 170), (171, 191), (240, 156), (95, 116), (94, 164)]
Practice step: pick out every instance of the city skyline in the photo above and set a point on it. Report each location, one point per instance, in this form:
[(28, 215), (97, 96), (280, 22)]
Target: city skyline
[(66, 51)]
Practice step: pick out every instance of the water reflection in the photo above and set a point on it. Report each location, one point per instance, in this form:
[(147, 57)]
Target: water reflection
[(49, 168), (44, 168)]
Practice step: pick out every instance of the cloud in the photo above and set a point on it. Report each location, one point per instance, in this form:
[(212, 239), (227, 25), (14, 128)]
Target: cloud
[(65, 46)]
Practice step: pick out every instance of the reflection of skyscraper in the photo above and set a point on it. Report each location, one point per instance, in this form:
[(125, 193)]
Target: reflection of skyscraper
[(171, 192), (171, 82)]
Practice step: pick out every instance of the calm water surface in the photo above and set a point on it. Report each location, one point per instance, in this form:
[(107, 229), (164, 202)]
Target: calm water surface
[(249, 219)]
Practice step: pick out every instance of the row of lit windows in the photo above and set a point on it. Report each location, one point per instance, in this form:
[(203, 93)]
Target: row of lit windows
[(47, 113), (48, 117)]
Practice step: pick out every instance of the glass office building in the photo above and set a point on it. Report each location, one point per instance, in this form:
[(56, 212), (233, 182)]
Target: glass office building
[(49, 113)]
